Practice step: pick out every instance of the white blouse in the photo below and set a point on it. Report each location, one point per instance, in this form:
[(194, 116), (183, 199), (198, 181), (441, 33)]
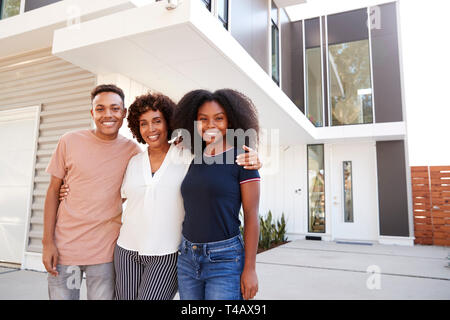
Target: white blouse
[(154, 213)]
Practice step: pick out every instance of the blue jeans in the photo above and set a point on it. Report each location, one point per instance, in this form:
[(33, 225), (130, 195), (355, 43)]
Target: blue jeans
[(211, 271), (66, 286)]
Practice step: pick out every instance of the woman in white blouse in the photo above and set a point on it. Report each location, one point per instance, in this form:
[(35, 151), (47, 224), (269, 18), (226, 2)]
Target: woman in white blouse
[(145, 257)]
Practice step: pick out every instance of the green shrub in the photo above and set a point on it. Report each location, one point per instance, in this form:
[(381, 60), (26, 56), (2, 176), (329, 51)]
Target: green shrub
[(270, 232)]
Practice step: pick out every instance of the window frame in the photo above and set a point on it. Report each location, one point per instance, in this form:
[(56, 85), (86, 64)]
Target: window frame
[(369, 39), (324, 191), (351, 191), (21, 9), (208, 4), (275, 25), (226, 23)]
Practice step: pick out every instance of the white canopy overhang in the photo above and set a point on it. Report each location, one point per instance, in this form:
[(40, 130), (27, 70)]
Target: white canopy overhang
[(175, 51)]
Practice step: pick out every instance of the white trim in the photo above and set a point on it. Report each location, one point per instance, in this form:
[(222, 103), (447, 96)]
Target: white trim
[(214, 10), (404, 118), (33, 261), (22, 7), (30, 199), (400, 241), (321, 73), (305, 97), (369, 30), (269, 36), (328, 74), (228, 13), (280, 69)]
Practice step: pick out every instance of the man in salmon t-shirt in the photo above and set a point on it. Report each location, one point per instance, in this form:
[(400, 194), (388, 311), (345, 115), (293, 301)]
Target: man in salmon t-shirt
[(80, 232)]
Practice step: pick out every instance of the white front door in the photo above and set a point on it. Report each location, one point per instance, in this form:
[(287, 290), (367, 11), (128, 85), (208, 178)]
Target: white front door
[(354, 202), (17, 151)]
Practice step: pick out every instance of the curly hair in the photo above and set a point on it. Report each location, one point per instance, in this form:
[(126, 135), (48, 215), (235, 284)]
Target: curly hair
[(240, 111), (107, 88), (144, 103)]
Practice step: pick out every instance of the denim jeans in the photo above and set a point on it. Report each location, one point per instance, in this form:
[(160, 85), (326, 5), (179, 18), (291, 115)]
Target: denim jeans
[(211, 271), (66, 286)]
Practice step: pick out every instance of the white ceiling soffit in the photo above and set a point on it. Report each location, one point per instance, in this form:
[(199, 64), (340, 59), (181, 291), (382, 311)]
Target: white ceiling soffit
[(287, 3), (316, 8), (34, 29), (363, 132), (175, 51)]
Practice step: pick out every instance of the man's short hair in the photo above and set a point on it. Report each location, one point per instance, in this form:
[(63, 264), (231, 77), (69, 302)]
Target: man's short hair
[(107, 88)]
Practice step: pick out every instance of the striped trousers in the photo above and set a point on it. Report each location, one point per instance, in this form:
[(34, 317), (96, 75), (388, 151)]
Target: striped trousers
[(145, 277)]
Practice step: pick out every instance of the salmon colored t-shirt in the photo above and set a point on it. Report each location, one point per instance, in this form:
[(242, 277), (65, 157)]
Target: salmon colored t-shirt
[(89, 219)]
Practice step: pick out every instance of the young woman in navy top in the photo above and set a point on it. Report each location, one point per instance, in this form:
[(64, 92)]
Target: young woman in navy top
[(215, 262)]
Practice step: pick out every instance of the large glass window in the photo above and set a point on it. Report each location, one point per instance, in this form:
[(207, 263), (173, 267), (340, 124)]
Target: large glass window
[(313, 65), (275, 44), (316, 189), (350, 85), (9, 8), (222, 12), (348, 191)]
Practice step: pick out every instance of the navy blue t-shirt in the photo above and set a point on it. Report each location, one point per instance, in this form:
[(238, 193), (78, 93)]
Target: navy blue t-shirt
[(212, 197)]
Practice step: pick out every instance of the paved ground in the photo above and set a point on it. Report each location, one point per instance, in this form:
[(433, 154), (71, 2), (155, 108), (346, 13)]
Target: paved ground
[(313, 270)]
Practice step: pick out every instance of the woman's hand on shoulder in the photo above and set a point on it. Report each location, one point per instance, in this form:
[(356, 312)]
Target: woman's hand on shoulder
[(63, 192)]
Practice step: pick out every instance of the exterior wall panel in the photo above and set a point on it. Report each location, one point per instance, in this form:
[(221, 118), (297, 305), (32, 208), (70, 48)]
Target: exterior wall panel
[(386, 64), (34, 4), (292, 82), (249, 26), (63, 91), (392, 189)]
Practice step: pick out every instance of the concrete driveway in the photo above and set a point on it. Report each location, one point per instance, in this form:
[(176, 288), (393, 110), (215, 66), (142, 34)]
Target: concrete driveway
[(313, 270)]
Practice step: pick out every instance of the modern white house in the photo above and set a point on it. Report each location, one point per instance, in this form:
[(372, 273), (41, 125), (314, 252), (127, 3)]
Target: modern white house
[(327, 86)]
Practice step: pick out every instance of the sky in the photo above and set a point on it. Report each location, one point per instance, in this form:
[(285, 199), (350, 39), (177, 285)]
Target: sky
[(425, 57)]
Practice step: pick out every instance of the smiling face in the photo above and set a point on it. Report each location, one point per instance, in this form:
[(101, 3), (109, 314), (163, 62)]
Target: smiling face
[(108, 113), (212, 122), (153, 129)]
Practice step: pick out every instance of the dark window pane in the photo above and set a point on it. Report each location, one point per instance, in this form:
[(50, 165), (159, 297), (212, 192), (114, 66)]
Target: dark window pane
[(275, 54), (34, 4), (347, 27), (386, 63), (312, 33), (291, 39), (316, 189)]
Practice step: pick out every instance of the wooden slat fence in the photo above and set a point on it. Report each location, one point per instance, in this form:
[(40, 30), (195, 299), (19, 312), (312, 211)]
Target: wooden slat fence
[(431, 204)]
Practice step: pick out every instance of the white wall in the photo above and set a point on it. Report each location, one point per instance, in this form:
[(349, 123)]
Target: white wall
[(286, 174), (279, 183), (18, 139), (426, 67)]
